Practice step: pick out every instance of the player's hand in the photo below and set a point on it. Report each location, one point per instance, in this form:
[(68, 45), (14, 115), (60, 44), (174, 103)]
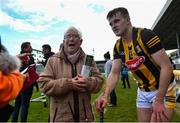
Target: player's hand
[(101, 103), (158, 112)]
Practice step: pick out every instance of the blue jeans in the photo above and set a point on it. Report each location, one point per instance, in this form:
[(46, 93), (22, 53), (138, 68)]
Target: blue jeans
[(22, 102)]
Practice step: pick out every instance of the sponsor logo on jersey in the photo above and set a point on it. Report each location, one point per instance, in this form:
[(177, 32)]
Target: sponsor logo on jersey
[(135, 63)]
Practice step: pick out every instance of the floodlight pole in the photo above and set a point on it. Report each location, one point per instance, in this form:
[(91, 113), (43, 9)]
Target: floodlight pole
[(93, 51)]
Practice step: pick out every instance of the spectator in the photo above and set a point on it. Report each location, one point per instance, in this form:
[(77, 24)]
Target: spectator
[(107, 68), (46, 49), (70, 93), (125, 76), (11, 81), (23, 99)]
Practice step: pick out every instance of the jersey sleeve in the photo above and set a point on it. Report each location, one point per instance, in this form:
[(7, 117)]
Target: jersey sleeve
[(151, 41)]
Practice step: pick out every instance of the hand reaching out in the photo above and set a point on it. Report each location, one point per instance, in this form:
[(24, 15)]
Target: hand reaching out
[(24, 57)]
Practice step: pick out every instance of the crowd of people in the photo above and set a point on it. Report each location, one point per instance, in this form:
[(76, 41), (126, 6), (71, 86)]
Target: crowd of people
[(138, 50)]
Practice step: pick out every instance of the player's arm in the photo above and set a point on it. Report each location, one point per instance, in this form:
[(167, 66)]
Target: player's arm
[(166, 72), (153, 45), (113, 77)]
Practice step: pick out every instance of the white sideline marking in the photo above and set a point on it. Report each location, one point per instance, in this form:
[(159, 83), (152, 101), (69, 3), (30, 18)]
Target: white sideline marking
[(41, 99)]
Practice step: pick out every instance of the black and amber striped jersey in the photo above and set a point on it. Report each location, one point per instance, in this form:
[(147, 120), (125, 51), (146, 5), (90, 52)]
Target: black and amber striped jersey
[(137, 57)]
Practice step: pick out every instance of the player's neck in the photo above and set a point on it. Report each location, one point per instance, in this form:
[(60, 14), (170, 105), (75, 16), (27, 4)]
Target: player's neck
[(128, 35)]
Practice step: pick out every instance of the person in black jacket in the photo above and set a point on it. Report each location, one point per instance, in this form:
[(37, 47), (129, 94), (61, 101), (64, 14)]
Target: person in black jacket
[(46, 49), (23, 99)]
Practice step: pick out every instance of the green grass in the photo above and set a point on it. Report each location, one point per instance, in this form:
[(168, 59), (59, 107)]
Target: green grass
[(37, 111), (125, 111)]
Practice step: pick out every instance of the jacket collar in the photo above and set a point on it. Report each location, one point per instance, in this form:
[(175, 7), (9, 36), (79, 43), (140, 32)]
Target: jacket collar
[(62, 55)]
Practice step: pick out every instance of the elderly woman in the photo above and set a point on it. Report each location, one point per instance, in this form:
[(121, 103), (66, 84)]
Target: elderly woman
[(70, 92), (11, 80)]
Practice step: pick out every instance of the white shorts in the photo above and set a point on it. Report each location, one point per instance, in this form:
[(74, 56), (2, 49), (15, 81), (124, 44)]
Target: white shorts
[(145, 99)]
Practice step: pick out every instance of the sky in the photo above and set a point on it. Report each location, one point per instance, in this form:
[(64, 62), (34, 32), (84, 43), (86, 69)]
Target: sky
[(45, 21)]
